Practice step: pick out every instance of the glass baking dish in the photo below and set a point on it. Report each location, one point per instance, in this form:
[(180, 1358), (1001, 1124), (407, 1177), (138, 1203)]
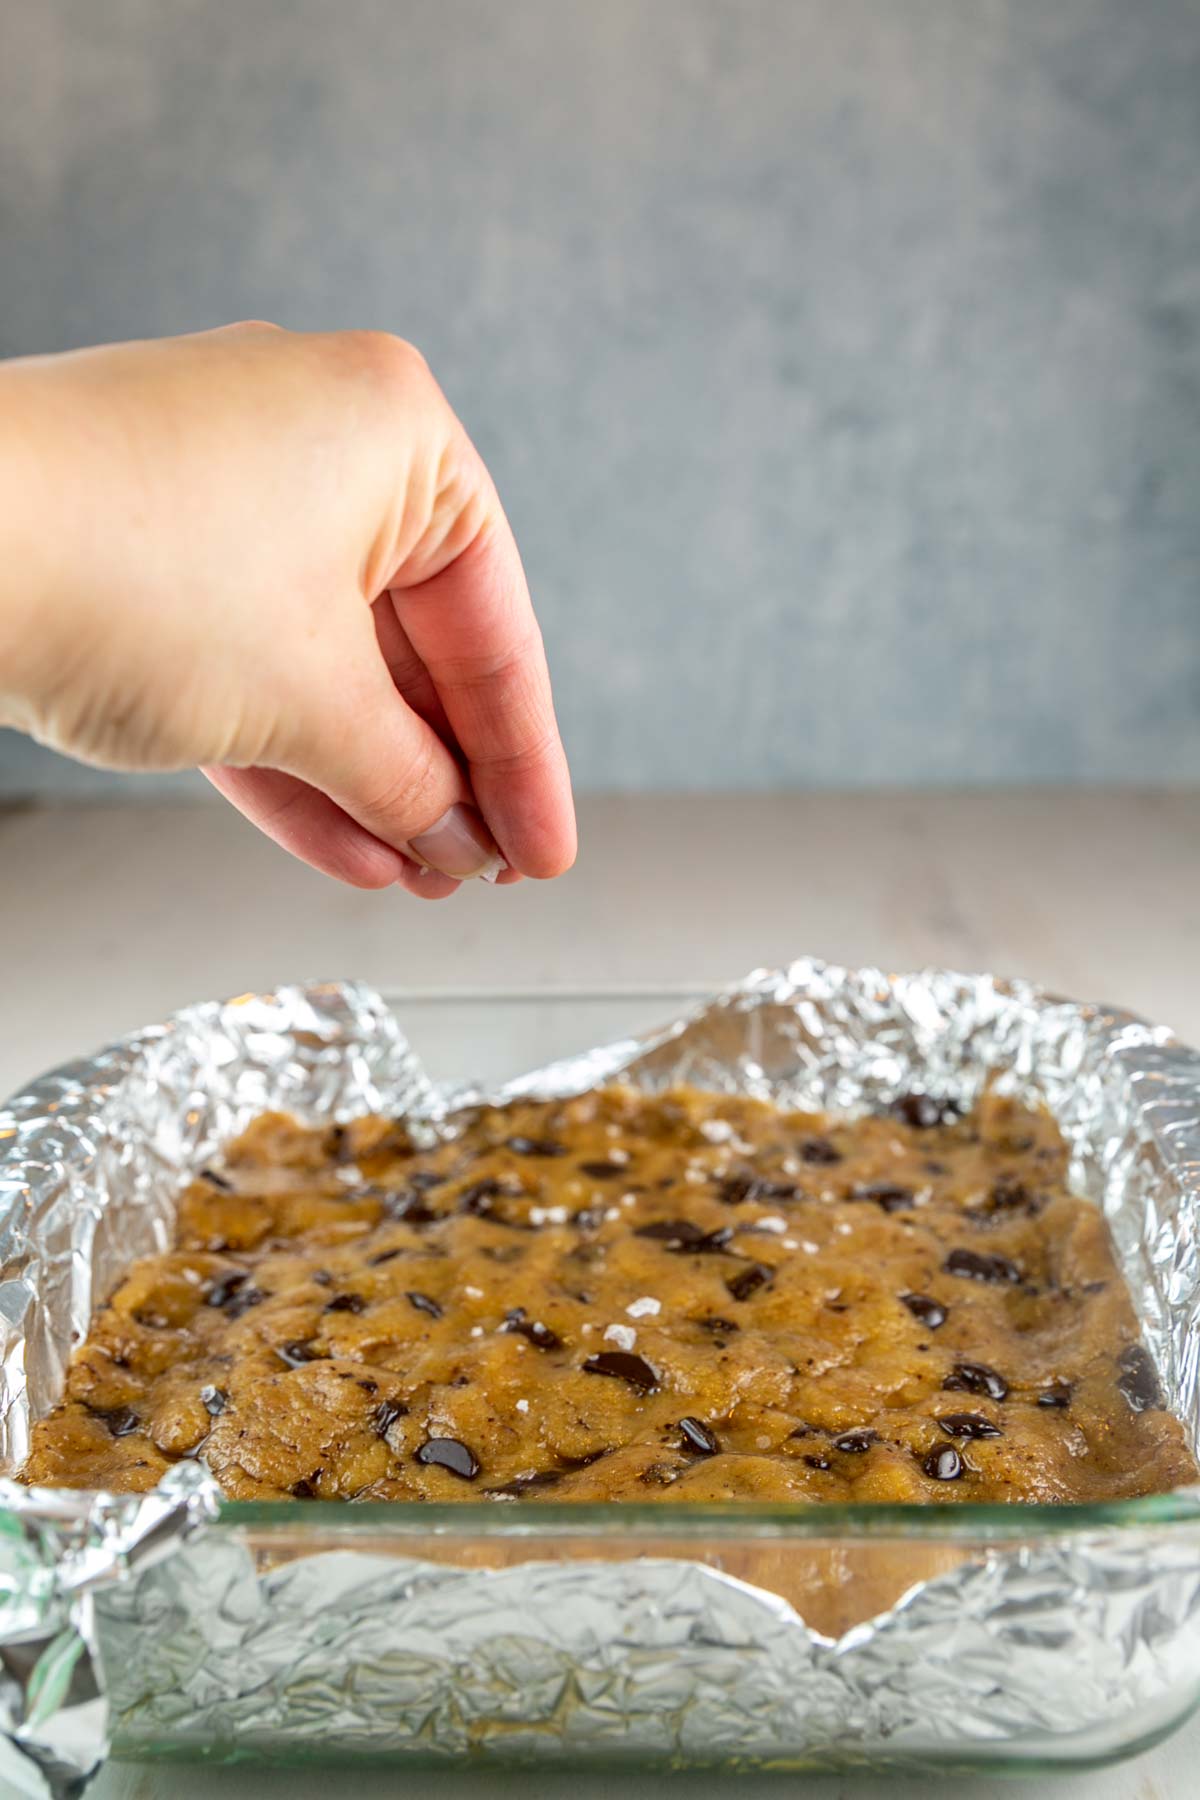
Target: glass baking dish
[(837, 1567)]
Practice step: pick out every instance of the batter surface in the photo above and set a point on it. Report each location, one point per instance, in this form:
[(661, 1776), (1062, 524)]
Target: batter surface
[(683, 1296)]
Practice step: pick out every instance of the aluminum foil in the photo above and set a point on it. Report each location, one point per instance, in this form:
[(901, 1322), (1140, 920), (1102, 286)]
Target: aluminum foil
[(149, 1621)]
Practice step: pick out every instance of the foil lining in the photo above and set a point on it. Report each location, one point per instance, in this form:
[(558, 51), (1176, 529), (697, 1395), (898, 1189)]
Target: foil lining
[(152, 1622)]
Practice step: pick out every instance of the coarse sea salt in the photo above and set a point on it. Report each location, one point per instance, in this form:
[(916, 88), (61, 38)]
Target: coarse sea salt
[(644, 1308), (623, 1336), (522, 1406), (771, 1223), (473, 1293)]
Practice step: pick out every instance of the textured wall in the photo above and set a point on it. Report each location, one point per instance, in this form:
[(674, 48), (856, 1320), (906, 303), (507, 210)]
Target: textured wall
[(837, 359)]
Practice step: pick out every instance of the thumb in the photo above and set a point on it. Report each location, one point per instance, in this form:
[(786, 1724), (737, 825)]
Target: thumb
[(382, 764)]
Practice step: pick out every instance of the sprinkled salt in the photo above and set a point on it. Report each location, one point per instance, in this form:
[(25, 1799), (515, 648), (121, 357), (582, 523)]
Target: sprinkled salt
[(696, 1176), (646, 1307), (717, 1131), (789, 1243), (812, 1249), (548, 1215), (618, 1156), (628, 1199), (477, 1331), (623, 1336), (790, 1166), (473, 1293), (843, 1228), (762, 1443), (771, 1223), (586, 1330), (350, 1174), (522, 1406), (611, 1213)]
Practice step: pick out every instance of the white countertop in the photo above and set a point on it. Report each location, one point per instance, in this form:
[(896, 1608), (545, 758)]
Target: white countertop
[(113, 916)]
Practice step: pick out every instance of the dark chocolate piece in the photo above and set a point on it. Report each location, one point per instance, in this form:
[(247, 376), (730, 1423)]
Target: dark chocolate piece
[(975, 1266), (890, 1195), (923, 1111), (386, 1413), (855, 1442), (976, 1378), (968, 1425), (449, 1454), (533, 1329), (698, 1438), (1058, 1394), (523, 1146), (747, 1281), (296, 1354), (120, 1420), (624, 1365), (348, 1303), (603, 1171), (943, 1463), (819, 1150), (423, 1304), (218, 1181), (931, 1312)]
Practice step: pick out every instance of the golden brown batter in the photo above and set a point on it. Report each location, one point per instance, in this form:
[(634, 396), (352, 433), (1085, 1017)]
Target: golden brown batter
[(675, 1297)]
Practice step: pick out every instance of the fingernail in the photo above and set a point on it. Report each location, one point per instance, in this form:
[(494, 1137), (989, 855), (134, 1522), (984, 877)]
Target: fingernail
[(459, 845)]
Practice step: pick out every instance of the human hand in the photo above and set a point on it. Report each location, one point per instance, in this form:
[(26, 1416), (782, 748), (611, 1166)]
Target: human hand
[(279, 557)]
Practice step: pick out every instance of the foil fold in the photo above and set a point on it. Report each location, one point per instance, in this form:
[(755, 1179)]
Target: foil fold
[(152, 1621)]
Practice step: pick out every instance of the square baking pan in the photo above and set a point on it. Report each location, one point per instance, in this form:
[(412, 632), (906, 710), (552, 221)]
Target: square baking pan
[(780, 1638)]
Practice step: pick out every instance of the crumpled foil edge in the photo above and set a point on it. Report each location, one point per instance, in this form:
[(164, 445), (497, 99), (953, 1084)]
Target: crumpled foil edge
[(667, 1657)]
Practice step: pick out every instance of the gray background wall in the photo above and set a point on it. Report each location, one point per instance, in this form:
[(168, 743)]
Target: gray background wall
[(837, 359)]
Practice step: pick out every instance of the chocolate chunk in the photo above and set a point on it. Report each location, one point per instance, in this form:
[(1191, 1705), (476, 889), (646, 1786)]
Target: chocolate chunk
[(855, 1442), (213, 1399), (523, 1146), (587, 1218), (367, 1385), (296, 1354), (1009, 1194), (682, 1235), (698, 1438), (385, 1256), (735, 1190), (478, 1197), (887, 1194), (386, 1414), (152, 1321), (337, 1144), (817, 1462), (922, 1111), (819, 1150), (533, 1329), (424, 1179), (977, 1267), (603, 1171), (747, 1281), (520, 1485), (322, 1277), (713, 1323), (449, 1454), (218, 1181), (624, 1365), (968, 1425), (350, 1303), (976, 1378), (224, 1287), (410, 1208), (931, 1312), (120, 1420), (242, 1301), (1138, 1379), (424, 1304), (306, 1487), (586, 1460), (943, 1463), (1058, 1394)]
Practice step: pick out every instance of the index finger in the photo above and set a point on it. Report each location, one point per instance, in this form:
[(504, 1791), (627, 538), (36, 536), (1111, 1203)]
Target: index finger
[(472, 625)]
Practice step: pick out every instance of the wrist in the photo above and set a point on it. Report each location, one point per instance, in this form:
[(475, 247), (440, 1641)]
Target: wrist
[(35, 487)]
